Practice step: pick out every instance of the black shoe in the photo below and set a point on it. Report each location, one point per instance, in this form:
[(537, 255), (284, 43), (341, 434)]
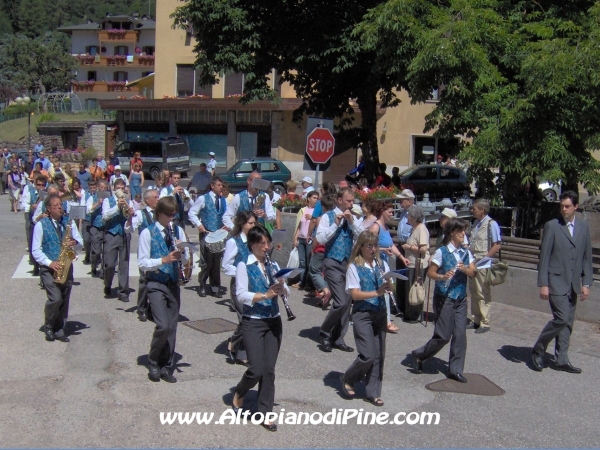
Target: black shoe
[(153, 372), (107, 292), (326, 344), (124, 298), (101, 276), (482, 330), (95, 274), (472, 326), (63, 338), (36, 272), (457, 377), (142, 316), (166, 375), (417, 363), (567, 368), (86, 262), (269, 426), (201, 292), (537, 362), (49, 334), (343, 348)]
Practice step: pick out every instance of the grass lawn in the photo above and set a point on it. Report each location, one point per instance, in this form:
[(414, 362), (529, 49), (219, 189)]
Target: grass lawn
[(16, 130)]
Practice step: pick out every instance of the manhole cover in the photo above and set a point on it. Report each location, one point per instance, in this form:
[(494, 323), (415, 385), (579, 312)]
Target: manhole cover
[(212, 326), (475, 385)]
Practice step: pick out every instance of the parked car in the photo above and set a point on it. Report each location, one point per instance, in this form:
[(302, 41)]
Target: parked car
[(550, 191), (437, 180), (270, 169)]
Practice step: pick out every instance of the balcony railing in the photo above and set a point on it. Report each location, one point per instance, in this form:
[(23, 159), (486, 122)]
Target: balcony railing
[(118, 35), (116, 60), (98, 86)]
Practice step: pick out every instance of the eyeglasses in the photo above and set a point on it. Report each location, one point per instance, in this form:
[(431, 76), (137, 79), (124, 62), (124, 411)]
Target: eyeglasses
[(370, 246)]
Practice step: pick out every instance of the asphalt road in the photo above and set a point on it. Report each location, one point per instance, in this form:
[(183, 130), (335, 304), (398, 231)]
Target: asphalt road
[(94, 391)]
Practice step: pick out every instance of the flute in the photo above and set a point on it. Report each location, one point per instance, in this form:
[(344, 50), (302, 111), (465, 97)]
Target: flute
[(182, 278), (380, 269), (272, 272)]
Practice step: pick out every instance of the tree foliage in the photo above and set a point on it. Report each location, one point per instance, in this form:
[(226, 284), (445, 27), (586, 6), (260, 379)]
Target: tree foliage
[(312, 44)]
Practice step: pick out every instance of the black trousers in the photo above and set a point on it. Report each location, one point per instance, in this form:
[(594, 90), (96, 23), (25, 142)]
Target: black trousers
[(336, 323), (369, 334), (28, 233), (262, 339), (116, 251), (559, 328), (56, 309), (164, 302), (87, 238), (237, 338), (36, 266), (210, 266), (450, 323), (96, 246)]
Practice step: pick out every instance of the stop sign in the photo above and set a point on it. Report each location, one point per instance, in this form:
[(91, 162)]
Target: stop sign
[(320, 144)]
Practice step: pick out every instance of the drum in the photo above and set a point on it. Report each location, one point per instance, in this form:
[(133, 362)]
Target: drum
[(215, 241)]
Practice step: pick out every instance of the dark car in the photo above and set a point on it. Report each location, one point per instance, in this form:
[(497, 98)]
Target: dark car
[(270, 169), (437, 180)]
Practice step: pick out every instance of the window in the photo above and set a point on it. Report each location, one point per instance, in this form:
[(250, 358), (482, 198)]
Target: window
[(92, 50), (234, 84), (121, 50), (247, 168), (123, 151), (269, 167), (91, 104), (424, 173), (187, 83), (92, 75), (449, 174), (120, 76), (148, 50)]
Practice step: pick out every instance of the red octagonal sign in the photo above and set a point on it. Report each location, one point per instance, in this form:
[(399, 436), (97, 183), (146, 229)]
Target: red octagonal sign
[(320, 144)]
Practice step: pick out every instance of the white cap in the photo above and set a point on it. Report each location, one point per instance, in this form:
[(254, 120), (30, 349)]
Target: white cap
[(211, 153), (450, 213), (406, 193), (117, 167), (306, 180), (356, 209)]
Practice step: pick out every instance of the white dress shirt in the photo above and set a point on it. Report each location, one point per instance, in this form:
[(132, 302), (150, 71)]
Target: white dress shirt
[(241, 282), (326, 230), (26, 199), (233, 207), (437, 256), (148, 264), (108, 212), (114, 177), (138, 218), (38, 211), (231, 251), (38, 236), (164, 192), (199, 204)]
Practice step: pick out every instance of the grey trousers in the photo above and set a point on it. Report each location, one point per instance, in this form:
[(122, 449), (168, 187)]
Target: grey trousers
[(28, 232), (237, 339), (450, 323), (369, 335), (142, 299), (336, 323), (304, 259), (315, 268), (87, 238), (116, 250), (210, 266), (559, 328), (262, 339), (56, 309), (163, 301), (96, 246)]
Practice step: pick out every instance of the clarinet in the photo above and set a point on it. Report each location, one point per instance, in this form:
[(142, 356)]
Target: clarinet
[(272, 272), (181, 270), (380, 270)]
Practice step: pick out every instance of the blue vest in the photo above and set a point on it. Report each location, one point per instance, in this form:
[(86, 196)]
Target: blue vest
[(457, 287), (51, 242), (115, 224), (242, 253), (370, 280), (339, 246), (179, 200), (88, 217), (258, 283), (145, 223), (167, 273), (33, 195), (246, 206), (96, 215), (211, 219)]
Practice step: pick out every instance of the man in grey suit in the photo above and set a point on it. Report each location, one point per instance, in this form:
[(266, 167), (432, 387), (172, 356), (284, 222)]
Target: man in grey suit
[(564, 273)]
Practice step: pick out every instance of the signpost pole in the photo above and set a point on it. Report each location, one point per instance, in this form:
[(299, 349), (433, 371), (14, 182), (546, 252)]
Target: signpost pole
[(316, 185)]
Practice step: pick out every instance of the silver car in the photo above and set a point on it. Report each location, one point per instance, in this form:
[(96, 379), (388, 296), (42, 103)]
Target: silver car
[(550, 191)]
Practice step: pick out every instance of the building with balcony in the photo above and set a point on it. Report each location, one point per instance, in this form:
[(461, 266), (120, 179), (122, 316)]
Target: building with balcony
[(111, 53), (212, 119)]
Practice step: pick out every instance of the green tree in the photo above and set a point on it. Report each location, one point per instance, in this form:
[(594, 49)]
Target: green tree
[(312, 45), (519, 78)]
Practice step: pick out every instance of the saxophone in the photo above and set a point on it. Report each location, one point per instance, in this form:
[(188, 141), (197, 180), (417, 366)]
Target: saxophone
[(65, 258)]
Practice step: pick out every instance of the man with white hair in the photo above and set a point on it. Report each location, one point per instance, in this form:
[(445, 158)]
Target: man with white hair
[(407, 199), (116, 176), (307, 186)]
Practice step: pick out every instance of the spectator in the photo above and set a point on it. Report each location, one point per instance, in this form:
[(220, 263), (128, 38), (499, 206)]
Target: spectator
[(118, 175), (212, 164), (136, 160), (228, 196), (101, 161), (40, 168), (136, 180), (14, 188), (201, 180), (290, 187), (67, 173), (96, 171), (38, 147), (302, 240), (43, 160), (112, 159), (84, 176), (383, 179), (357, 172), (307, 186), (396, 177)]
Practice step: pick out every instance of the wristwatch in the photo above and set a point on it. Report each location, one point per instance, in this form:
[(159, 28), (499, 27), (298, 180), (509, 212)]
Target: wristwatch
[(264, 297), (586, 286)]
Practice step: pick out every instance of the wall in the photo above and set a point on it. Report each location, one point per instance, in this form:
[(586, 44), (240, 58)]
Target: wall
[(81, 39)]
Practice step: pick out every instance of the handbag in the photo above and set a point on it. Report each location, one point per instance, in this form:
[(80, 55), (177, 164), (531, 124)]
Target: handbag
[(294, 260), (416, 294), (498, 271)]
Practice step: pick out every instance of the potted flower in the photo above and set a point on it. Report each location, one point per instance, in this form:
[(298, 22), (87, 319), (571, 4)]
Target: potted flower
[(116, 33), (291, 204)]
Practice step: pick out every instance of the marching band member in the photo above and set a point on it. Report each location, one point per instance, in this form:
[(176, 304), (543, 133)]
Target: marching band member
[(450, 266), (335, 231), (236, 251), (117, 239), (40, 210), (46, 247), (366, 286), (97, 228), (29, 203), (158, 258), (261, 323), (142, 219), (207, 215), (250, 200), (181, 195), (85, 198)]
